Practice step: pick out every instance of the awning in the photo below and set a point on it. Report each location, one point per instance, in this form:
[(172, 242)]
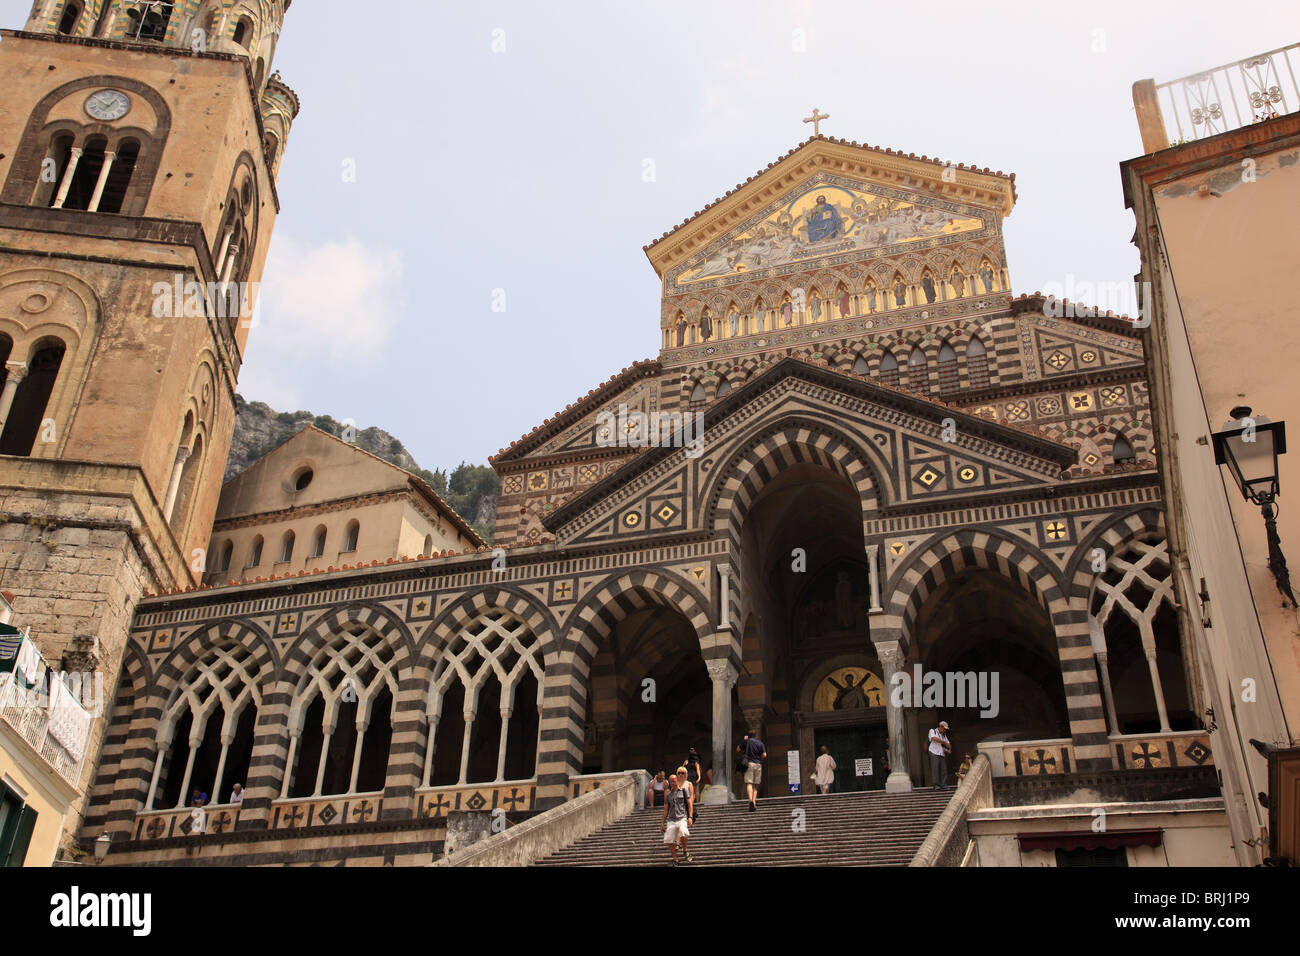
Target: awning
[(1087, 840)]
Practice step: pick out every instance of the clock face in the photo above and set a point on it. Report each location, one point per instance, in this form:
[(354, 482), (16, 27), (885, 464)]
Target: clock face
[(108, 105)]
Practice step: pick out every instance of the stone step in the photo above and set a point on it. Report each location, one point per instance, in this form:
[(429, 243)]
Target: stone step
[(857, 829)]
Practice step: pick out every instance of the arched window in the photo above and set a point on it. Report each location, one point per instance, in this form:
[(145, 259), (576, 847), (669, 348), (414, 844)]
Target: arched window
[(318, 542), (428, 545), (153, 25), (490, 678), (698, 396), (68, 22), (244, 32), (341, 719), (286, 547), (860, 367), (977, 363), (227, 553), (889, 370), (255, 553), (270, 148), (1122, 451), (948, 381), (29, 408), (724, 388), (206, 734), (188, 486), (119, 176), (1134, 629), (916, 376), (350, 536)]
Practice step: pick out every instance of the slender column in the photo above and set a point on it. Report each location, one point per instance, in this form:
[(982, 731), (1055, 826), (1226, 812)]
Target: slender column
[(464, 745), (506, 713), (226, 741), (362, 727), (1108, 692), (73, 161), (288, 765), (189, 770), (724, 571), (102, 182), (433, 719), (225, 247), (873, 555), (723, 674), (229, 267), (891, 659), (1157, 689), (17, 371), (174, 485), (163, 750), (324, 759)]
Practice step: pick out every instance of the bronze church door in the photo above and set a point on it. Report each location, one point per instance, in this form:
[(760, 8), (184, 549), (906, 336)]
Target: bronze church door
[(850, 746)]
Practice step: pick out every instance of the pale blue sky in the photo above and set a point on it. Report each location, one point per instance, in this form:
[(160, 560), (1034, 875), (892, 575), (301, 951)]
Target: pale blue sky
[(522, 170)]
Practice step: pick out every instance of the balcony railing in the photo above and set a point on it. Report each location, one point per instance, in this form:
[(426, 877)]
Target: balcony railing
[(27, 712), (1227, 97)]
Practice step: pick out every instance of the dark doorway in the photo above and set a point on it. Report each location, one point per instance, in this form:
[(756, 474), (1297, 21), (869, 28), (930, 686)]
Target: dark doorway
[(848, 745)]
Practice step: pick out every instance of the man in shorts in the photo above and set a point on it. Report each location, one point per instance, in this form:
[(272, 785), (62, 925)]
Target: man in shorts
[(755, 753), (677, 812)]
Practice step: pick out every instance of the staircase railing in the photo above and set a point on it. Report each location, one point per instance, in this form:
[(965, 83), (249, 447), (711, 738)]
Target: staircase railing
[(557, 828), (948, 841)]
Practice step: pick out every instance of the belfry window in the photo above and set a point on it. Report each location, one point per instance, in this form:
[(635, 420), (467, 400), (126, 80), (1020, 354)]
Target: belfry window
[(150, 23), (22, 424), (68, 23), (118, 178), (244, 32)]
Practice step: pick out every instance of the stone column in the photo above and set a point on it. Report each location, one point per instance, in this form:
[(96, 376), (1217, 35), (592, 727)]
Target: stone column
[(1108, 692), (873, 563), (1156, 688), (73, 161), (109, 157), (723, 674), (17, 371), (891, 659), (174, 485), (724, 571), (228, 268)]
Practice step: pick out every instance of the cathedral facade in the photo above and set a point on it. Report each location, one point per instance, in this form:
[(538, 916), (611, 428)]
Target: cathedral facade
[(862, 488)]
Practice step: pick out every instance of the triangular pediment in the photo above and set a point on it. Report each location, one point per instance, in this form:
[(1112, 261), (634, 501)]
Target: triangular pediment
[(918, 452), (828, 202)]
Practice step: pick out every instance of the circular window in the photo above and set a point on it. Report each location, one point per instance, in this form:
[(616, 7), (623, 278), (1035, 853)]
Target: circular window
[(303, 478)]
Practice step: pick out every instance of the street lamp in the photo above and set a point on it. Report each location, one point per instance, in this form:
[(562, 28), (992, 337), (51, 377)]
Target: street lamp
[(1249, 446), (102, 846)]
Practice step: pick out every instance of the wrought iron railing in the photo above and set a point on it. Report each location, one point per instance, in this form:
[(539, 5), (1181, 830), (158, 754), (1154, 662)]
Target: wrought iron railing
[(1231, 96)]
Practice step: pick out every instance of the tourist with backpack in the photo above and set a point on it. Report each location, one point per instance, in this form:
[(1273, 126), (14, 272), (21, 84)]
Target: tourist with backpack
[(674, 823)]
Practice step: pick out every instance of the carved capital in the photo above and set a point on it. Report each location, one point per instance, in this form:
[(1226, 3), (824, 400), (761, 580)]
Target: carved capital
[(722, 670), (890, 654), (15, 372)]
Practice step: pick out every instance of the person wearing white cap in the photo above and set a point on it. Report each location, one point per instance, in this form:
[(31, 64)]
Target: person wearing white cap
[(939, 750)]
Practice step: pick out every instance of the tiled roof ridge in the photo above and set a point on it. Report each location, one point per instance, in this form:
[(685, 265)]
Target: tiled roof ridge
[(1076, 310), (578, 407)]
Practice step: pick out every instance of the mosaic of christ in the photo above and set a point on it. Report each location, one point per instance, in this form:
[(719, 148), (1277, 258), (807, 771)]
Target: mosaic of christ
[(823, 221)]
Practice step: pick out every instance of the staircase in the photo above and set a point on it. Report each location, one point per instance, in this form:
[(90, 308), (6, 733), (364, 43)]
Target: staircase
[(850, 829)]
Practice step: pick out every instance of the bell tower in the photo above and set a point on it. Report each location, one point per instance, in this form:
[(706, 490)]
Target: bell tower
[(139, 151)]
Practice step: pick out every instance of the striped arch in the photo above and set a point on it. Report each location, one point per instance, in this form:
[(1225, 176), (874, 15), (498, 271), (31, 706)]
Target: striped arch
[(618, 597), (932, 565), (375, 617), (126, 759), (1109, 536), (182, 660), (463, 611), (1028, 567), (777, 447)]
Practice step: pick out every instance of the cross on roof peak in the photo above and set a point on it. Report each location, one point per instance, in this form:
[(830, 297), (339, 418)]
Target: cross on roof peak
[(816, 120)]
